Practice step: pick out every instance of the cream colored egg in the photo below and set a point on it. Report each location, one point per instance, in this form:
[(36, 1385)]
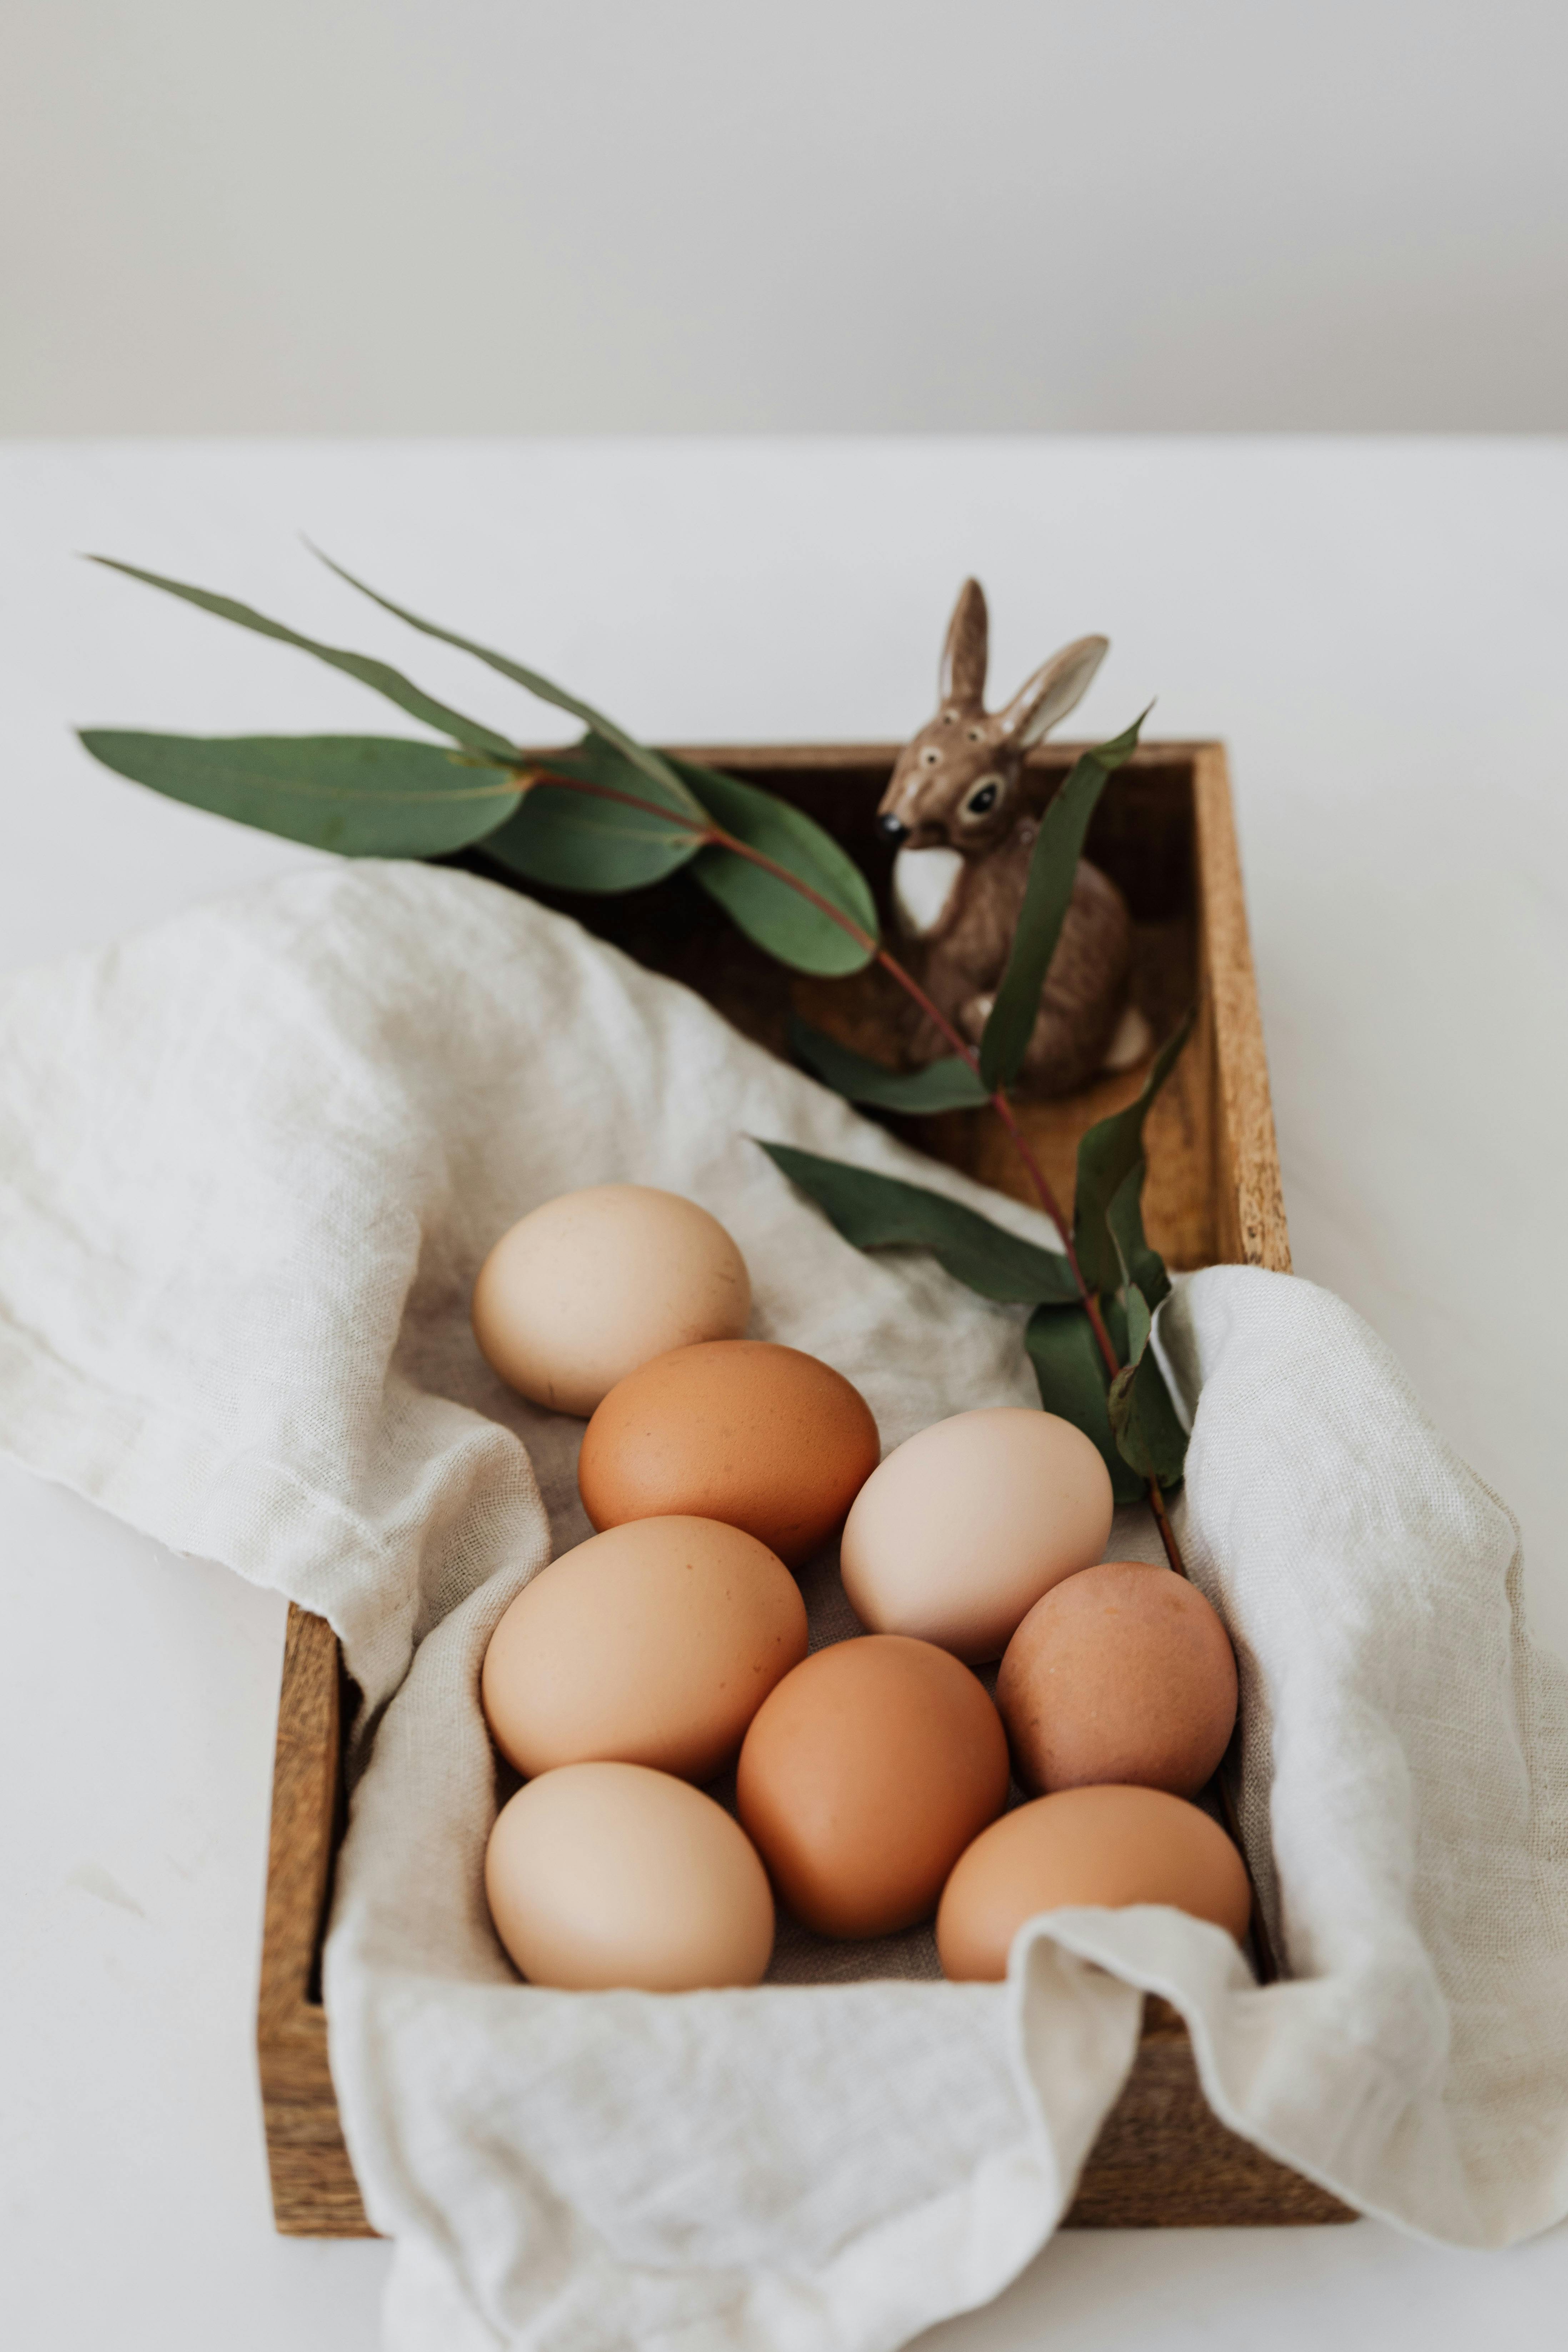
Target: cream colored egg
[(963, 1527), (611, 1874), (597, 1282), (653, 1643)]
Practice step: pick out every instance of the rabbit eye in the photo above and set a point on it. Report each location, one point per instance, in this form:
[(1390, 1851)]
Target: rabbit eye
[(948, 717), (983, 799), (930, 755), (976, 734)]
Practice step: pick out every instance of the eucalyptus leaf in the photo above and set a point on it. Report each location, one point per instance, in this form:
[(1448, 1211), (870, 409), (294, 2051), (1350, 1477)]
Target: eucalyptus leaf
[(877, 1211), (653, 764), (763, 904), (379, 675), (363, 796), (1107, 1156), (1070, 1374), (1124, 1217), (586, 841), (1053, 869), (948, 1084), (1149, 1434)]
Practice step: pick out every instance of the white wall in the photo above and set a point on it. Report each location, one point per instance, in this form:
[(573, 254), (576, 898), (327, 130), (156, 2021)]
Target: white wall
[(513, 216)]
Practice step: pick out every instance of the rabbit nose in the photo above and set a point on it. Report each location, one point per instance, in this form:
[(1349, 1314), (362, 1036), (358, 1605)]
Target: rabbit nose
[(892, 828)]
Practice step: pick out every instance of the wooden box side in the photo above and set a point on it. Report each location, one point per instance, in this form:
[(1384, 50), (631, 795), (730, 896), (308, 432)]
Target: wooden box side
[(1163, 2160)]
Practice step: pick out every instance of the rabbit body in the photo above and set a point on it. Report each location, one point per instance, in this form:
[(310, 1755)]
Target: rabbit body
[(958, 810)]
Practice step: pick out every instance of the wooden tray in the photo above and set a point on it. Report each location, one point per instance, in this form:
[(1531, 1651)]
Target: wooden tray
[(1165, 833)]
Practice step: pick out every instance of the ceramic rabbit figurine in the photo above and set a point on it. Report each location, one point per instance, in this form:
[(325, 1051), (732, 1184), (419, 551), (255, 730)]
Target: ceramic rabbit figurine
[(959, 809)]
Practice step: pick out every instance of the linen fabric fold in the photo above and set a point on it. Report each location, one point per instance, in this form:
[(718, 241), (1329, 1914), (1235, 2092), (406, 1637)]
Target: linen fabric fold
[(250, 1164)]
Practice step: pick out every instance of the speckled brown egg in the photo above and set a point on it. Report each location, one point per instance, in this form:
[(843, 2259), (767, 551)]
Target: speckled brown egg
[(864, 1776), (653, 1643), (760, 1436), (1110, 1846), (1121, 1673)]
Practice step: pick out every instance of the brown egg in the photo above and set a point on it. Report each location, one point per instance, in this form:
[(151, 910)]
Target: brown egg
[(654, 1643), (1123, 1672), (966, 1524), (864, 1776), (595, 1282), (762, 1437), (605, 1875), (1108, 1846)]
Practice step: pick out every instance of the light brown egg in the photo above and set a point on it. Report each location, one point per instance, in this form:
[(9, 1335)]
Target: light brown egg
[(964, 1525), (1121, 1673), (760, 1436), (654, 1643), (604, 1874), (595, 1282), (1108, 1846), (864, 1776)]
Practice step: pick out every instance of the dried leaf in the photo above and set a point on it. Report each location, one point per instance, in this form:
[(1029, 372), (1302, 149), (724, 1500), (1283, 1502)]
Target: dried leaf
[(363, 796), (1053, 868), (877, 1211)]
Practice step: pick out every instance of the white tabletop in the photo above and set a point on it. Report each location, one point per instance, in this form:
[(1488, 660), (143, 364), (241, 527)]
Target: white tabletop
[(1378, 629)]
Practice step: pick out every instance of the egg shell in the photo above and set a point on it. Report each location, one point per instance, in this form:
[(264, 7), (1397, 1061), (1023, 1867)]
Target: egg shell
[(654, 1643), (1121, 1673), (595, 1282), (864, 1776), (963, 1527), (605, 1874), (1107, 1846), (760, 1436)]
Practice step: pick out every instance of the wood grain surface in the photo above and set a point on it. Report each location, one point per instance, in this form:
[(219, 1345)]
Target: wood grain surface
[(1165, 834)]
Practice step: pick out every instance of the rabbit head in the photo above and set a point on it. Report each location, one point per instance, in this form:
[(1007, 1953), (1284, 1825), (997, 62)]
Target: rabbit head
[(956, 784)]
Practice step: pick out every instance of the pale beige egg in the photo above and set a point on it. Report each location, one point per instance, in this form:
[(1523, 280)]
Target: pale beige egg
[(958, 1532), (611, 1874), (653, 1643), (1110, 1846), (597, 1282)]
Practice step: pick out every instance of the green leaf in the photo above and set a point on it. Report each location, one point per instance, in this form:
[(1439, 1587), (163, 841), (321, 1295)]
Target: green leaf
[(1107, 1156), (878, 1212), (363, 796), (1053, 868), (584, 841), (654, 765), (377, 675), (1149, 1435), (948, 1084), (1124, 1218), (765, 906), (1070, 1373)]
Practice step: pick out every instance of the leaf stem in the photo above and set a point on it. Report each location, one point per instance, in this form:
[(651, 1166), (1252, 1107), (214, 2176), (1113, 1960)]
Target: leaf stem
[(714, 836)]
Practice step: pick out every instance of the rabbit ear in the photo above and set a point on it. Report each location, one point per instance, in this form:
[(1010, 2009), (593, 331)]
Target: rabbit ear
[(1053, 690), (963, 655)]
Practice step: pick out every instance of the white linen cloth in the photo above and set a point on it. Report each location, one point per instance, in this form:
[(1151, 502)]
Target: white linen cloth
[(249, 1163)]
